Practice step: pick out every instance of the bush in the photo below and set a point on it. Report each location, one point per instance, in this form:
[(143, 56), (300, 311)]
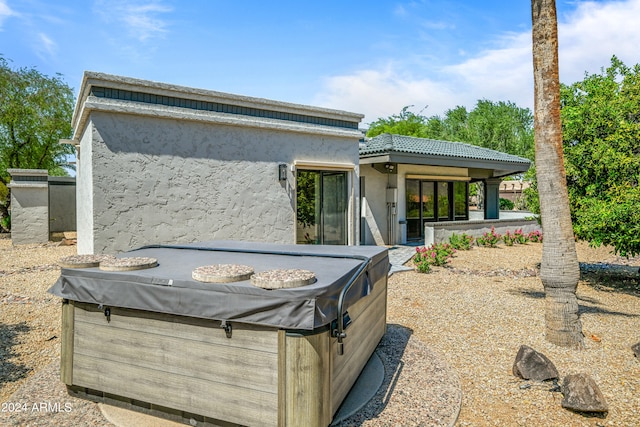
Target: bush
[(5, 222), (535, 236), (517, 236), (489, 240), (509, 239), (506, 204), (520, 236), (437, 254), (461, 242)]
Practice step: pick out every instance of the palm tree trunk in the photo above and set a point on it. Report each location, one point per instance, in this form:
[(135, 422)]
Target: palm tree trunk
[(559, 270)]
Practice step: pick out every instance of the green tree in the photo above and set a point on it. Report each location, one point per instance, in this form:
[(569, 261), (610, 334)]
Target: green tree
[(405, 123), (501, 126), (559, 270), (601, 130), (35, 113)]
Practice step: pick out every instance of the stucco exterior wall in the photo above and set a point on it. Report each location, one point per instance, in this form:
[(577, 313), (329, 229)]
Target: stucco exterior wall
[(29, 206), (156, 180), (374, 206), (84, 193)]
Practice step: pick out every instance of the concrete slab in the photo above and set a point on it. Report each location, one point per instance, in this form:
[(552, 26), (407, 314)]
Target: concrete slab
[(365, 387)]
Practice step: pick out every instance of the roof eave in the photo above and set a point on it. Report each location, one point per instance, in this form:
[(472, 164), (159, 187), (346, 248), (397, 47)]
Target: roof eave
[(431, 160)]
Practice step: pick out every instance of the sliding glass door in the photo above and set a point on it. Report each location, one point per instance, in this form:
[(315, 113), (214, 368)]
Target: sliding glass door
[(322, 206), (430, 201)]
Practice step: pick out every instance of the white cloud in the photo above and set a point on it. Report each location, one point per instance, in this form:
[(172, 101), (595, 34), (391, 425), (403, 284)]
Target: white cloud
[(379, 93), (46, 45), (141, 18), (5, 12), (595, 32), (588, 36)]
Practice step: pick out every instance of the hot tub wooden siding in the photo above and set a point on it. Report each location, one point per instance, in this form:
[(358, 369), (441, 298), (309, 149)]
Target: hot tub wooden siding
[(186, 368)]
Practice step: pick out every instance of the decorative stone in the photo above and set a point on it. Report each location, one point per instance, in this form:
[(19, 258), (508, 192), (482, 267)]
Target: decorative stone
[(128, 264), (582, 394), (636, 349), (222, 273), (283, 278), (532, 365), (83, 261)]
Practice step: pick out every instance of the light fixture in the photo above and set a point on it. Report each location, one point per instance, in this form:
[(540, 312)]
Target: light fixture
[(282, 172)]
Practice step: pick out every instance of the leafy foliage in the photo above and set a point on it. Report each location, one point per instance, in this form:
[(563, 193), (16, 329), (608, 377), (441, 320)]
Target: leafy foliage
[(405, 123), (461, 242), (501, 126), (535, 236), (489, 239), (517, 236), (506, 204), (437, 254), (601, 133), (35, 113)]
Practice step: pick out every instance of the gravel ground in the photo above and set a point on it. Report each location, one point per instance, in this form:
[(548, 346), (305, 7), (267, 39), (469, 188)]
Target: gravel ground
[(472, 317), (479, 311)]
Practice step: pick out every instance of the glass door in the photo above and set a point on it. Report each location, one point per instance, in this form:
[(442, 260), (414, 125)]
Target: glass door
[(430, 201), (322, 206)]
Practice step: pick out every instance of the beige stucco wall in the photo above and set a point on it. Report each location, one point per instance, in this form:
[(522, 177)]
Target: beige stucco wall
[(146, 180)]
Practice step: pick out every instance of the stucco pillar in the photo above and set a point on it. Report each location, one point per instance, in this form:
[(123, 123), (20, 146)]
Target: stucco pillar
[(492, 198), (29, 206)]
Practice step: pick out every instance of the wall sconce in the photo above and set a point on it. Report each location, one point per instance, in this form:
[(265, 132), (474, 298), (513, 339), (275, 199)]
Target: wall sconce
[(282, 172)]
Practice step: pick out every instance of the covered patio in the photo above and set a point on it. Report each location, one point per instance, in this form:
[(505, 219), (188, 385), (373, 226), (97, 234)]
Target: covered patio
[(409, 183)]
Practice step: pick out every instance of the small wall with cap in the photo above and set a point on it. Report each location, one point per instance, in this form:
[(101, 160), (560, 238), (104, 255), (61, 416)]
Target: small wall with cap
[(40, 205)]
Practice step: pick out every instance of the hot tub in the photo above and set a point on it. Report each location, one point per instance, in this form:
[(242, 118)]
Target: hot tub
[(158, 341)]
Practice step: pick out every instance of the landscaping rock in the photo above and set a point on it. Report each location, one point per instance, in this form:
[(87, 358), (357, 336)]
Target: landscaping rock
[(532, 365), (582, 394), (636, 349)]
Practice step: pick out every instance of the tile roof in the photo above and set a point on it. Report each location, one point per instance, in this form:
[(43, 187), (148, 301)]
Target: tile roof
[(388, 143)]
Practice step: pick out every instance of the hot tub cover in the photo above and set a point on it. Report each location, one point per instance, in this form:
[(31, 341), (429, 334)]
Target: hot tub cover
[(169, 287)]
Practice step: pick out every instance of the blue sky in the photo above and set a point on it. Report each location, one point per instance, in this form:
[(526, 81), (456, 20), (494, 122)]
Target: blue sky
[(371, 57)]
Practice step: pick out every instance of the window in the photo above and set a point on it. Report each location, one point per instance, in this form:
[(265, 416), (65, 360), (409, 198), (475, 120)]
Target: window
[(430, 201)]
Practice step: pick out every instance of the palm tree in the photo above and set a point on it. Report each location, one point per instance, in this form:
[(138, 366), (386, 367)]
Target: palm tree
[(559, 270)]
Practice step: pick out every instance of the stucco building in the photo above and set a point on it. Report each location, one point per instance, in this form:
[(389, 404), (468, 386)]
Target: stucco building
[(160, 163), (408, 182)]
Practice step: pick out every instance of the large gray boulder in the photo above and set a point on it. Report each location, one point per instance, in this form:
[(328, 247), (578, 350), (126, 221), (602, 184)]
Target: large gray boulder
[(582, 394), (532, 365)]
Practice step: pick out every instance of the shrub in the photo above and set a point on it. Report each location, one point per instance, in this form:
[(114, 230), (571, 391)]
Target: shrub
[(535, 236), (437, 254), (489, 240), (506, 204), (520, 236), (509, 239), (461, 241), (5, 223)]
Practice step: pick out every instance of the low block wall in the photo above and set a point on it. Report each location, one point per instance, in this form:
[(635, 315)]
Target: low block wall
[(441, 231)]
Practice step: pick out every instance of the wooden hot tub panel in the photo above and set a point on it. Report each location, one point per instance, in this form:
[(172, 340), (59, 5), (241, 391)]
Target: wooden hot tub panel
[(177, 366)]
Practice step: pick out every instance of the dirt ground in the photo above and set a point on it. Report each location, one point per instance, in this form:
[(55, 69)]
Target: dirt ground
[(475, 314)]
